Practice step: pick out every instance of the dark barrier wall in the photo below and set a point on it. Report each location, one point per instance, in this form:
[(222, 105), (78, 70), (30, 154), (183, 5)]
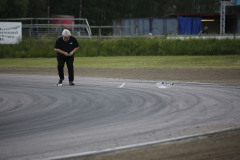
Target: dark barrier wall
[(156, 26)]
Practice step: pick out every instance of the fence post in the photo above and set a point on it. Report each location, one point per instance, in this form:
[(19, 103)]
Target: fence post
[(121, 30), (100, 31), (37, 28), (30, 35), (32, 32), (136, 30)]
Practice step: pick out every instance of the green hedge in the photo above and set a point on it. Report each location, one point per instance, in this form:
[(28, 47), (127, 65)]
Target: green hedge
[(27, 49), (129, 47)]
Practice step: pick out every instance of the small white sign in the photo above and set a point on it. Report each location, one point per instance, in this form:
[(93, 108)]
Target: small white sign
[(10, 32)]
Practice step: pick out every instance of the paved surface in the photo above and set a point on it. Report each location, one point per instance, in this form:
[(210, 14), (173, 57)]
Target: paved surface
[(39, 120)]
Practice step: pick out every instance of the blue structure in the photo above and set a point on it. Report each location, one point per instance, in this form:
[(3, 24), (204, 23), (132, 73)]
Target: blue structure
[(180, 23), (189, 25), (158, 26), (237, 2), (144, 26)]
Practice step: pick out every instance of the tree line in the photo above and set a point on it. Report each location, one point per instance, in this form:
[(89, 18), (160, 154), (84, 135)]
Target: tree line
[(102, 12)]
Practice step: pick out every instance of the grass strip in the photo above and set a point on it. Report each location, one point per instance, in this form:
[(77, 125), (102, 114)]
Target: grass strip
[(128, 62)]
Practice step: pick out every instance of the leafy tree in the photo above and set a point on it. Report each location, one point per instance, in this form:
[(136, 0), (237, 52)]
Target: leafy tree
[(3, 8), (13, 8), (37, 9), (102, 12)]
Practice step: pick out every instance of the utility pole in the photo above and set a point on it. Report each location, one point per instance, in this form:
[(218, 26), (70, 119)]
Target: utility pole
[(48, 11), (224, 4), (48, 14), (80, 14), (80, 10)]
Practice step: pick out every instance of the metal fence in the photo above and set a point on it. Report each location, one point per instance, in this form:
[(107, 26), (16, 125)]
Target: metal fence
[(36, 28), (43, 28)]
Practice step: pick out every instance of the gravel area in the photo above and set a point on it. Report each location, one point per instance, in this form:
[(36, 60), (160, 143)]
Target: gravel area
[(221, 76), (217, 147)]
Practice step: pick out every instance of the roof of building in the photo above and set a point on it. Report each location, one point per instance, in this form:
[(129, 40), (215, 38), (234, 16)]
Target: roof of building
[(202, 14)]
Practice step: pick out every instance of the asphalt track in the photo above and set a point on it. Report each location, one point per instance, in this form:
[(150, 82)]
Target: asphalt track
[(39, 120)]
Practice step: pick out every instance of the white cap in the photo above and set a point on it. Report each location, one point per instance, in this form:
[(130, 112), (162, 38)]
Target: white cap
[(66, 33)]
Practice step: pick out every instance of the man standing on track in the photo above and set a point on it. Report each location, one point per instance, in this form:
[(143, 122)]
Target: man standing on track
[(66, 46)]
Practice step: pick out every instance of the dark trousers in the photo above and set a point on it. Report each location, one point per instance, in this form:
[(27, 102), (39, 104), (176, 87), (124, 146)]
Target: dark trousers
[(69, 61)]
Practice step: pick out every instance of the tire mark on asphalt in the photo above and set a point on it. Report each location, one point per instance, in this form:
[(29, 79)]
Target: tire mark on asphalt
[(95, 114)]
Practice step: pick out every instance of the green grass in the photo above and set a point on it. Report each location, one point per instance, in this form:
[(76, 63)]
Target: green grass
[(126, 62), (128, 47)]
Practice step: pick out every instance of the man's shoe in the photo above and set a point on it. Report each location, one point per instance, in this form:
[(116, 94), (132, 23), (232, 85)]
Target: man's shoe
[(60, 82), (71, 84)]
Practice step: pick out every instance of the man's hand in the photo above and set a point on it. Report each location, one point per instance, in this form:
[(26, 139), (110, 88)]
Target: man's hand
[(61, 51), (71, 53), (65, 53)]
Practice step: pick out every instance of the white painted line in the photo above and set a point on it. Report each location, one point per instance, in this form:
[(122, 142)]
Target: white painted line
[(160, 85), (122, 85), (78, 155)]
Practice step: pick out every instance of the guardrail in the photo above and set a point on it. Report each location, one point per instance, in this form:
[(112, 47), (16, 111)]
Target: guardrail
[(50, 31), (204, 36)]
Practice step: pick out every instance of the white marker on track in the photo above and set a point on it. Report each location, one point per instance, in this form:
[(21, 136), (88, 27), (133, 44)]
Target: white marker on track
[(122, 85), (160, 85)]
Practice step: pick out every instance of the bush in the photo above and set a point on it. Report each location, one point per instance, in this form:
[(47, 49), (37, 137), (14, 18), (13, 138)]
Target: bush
[(128, 47), (28, 48)]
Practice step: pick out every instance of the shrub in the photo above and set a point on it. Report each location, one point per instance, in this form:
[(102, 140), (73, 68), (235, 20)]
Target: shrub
[(128, 47)]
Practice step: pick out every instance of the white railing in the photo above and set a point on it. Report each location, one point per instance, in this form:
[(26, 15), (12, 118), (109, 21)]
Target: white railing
[(43, 27)]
